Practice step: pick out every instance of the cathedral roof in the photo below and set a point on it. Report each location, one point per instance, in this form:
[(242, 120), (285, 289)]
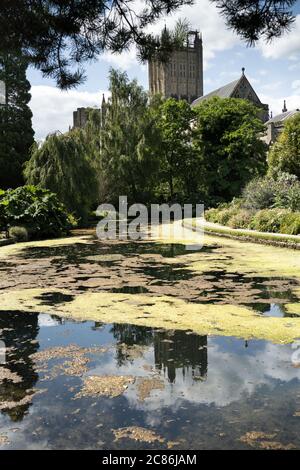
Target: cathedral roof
[(231, 90), (225, 91)]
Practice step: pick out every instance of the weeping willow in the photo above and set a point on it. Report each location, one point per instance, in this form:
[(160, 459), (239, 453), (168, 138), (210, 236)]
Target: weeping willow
[(66, 164)]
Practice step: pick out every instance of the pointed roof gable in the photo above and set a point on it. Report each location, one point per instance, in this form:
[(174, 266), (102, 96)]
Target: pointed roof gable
[(227, 91)]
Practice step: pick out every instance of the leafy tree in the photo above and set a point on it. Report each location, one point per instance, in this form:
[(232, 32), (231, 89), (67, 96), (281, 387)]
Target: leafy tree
[(284, 155), (61, 164), (227, 137), (178, 161), (35, 208), (129, 141), (16, 134), (58, 35)]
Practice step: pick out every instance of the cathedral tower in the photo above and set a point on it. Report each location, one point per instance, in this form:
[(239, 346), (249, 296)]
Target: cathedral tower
[(182, 76)]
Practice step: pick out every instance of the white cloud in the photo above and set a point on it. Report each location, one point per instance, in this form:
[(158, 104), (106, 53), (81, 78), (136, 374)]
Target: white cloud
[(53, 109), (276, 104), (123, 61), (271, 86), (296, 85), (287, 46)]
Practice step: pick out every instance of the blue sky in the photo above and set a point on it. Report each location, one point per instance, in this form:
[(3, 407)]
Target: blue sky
[(273, 69)]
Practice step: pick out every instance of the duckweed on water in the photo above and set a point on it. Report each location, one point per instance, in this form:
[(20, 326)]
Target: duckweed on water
[(106, 385), (146, 385), (263, 440), (162, 312), (137, 433)]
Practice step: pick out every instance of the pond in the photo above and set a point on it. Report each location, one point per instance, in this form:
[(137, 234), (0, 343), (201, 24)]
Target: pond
[(148, 346)]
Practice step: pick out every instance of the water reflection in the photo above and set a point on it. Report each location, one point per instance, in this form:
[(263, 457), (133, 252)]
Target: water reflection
[(18, 332), (177, 350), (212, 386)]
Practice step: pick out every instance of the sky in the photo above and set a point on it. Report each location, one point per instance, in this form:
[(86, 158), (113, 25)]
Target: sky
[(273, 69)]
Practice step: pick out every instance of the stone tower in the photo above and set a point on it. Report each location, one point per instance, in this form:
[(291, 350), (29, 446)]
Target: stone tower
[(182, 76)]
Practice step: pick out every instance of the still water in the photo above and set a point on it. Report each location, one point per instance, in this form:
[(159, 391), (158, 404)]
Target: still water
[(70, 384), (201, 392)]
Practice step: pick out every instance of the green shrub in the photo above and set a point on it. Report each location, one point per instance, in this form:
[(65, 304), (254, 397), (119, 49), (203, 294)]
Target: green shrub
[(287, 192), (291, 224), (268, 220), (36, 209), (226, 214), (19, 233), (259, 193), (212, 215), (266, 192), (241, 219)]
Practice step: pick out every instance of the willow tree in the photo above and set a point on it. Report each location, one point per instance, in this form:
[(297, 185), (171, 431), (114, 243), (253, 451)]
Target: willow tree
[(16, 133), (129, 143), (62, 165)]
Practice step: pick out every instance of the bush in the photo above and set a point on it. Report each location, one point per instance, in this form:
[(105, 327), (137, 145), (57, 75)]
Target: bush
[(259, 193), (241, 219), (266, 192), (268, 220), (19, 233), (291, 224), (287, 192), (36, 209), (265, 220)]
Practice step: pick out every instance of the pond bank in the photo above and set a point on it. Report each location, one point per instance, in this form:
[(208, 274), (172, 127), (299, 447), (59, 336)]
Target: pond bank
[(267, 238)]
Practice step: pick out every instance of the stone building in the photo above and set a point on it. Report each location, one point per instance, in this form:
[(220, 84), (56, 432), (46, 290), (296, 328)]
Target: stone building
[(240, 88), (182, 76), (80, 116), (275, 124)]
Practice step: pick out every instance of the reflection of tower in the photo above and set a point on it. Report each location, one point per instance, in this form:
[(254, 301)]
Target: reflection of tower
[(177, 350), (19, 331), (130, 335)]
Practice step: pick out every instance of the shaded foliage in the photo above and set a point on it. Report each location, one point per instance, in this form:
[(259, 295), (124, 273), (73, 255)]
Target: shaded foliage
[(16, 133), (36, 209)]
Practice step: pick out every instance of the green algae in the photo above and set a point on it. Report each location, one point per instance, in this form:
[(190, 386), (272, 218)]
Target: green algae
[(162, 312), (158, 308), (18, 248)]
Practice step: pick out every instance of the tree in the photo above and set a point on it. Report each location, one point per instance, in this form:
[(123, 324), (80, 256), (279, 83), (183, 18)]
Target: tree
[(58, 35), (61, 164), (16, 133), (284, 155), (129, 141), (178, 161), (259, 18), (227, 137)]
